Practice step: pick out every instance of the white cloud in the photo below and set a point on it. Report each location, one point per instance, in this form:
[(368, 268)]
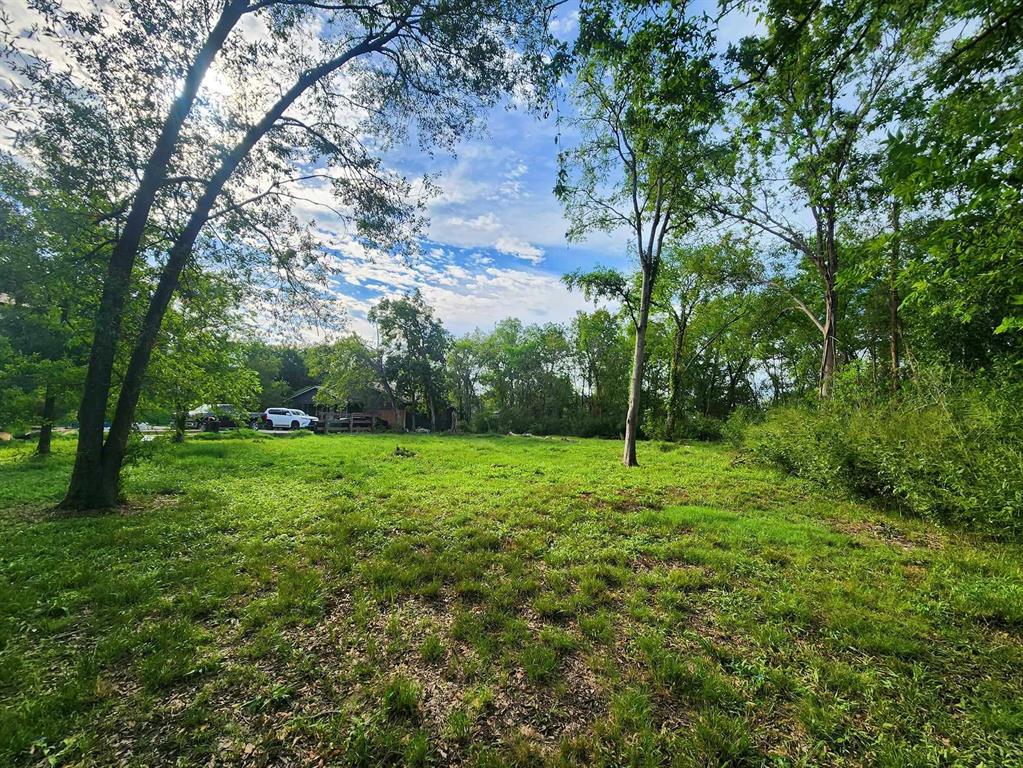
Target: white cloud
[(520, 249), (467, 293), (495, 293), (485, 222), (521, 169), (565, 27)]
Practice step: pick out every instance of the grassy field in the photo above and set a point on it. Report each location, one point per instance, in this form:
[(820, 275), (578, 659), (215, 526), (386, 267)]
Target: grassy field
[(416, 600)]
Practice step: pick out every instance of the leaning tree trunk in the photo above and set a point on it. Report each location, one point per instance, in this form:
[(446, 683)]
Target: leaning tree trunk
[(106, 482), (636, 383), (46, 428), (89, 487)]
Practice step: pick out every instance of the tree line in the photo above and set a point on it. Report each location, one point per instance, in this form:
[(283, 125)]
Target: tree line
[(571, 378)]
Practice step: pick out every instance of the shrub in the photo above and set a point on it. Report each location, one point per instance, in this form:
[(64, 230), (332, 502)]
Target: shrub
[(804, 442), (738, 423), (697, 426), (689, 425), (948, 447)]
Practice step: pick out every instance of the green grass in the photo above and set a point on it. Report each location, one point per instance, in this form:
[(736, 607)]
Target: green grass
[(492, 602)]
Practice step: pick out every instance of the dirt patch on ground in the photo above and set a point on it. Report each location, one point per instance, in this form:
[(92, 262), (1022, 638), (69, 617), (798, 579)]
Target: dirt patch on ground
[(879, 530)]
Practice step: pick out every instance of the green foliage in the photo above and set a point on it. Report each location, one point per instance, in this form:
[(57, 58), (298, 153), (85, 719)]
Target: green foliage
[(196, 361), (413, 343), (48, 273), (282, 370), (348, 371), (948, 447), (961, 173), (689, 425)]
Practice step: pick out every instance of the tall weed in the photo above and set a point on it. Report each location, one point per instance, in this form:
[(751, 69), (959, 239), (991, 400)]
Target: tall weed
[(948, 446)]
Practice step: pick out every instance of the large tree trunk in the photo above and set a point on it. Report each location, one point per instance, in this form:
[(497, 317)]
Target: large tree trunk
[(90, 486), (46, 428), (636, 384)]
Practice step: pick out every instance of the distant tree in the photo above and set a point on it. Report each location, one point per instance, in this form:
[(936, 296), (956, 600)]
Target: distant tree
[(416, 342), (349, 367), (466, 363), (691, 279), (601, 351), (196, 361), (295, 369), (648, 98)]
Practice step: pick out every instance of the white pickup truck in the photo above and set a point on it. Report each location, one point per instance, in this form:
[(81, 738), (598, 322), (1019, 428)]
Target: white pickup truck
[(286, 418)]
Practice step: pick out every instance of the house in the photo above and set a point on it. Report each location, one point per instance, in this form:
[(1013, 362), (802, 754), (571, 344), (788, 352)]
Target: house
[(349, 416)]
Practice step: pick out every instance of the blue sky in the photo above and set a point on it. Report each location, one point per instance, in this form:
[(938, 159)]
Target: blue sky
[(496, 243)]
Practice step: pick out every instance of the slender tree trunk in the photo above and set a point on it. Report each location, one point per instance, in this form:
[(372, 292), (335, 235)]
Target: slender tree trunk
[(179, 426), (893, 296), (675, 381), (733, 378), (46, 428), (829, 271), (829, 354), (636, 383), (89, 488)]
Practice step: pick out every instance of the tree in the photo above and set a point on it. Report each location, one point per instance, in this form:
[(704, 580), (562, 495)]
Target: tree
[(691, 278), (952, 165), (602, 357), (648, 99), (47, 267), (196, 361), (415, 340), (389, 64), (466, 363), (818, 84)]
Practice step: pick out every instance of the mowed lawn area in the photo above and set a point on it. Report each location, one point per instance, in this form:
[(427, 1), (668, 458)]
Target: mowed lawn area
[(415, 600)]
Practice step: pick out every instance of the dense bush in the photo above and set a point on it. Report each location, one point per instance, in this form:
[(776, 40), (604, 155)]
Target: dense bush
[(948, 447), (690, 425), (520, 423)]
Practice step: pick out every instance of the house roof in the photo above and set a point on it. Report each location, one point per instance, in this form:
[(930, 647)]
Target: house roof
[(313, 389), (302, 393)]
